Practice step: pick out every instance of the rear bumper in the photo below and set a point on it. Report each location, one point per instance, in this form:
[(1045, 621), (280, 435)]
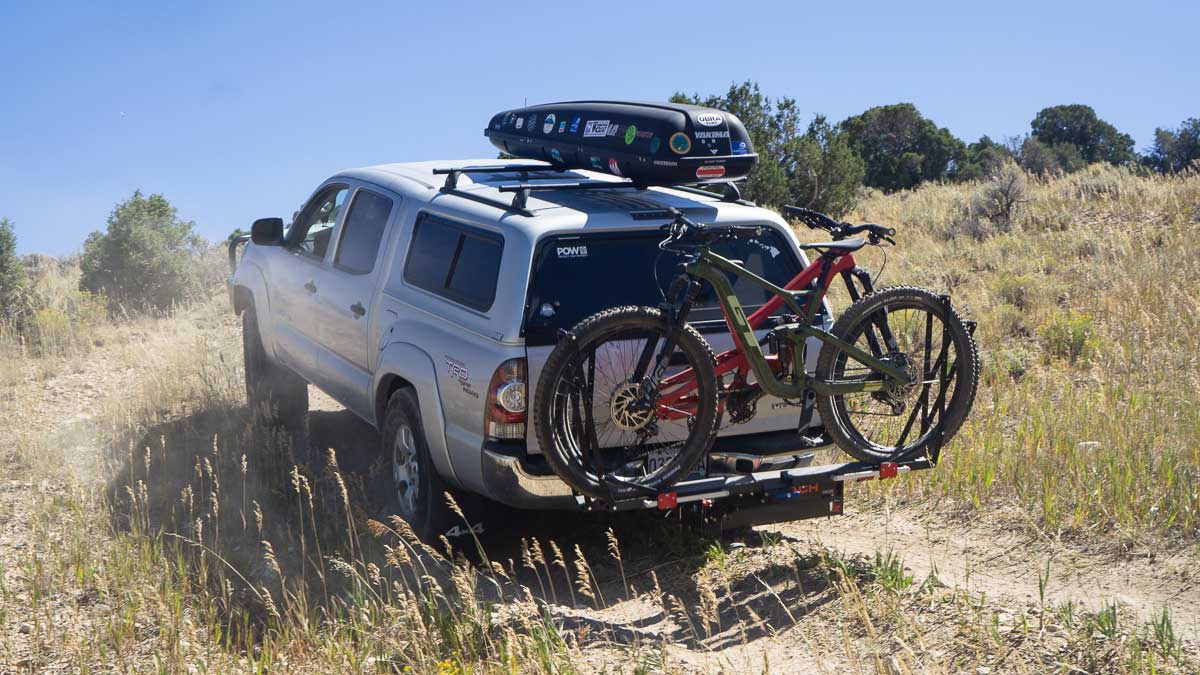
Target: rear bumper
[(509, 482)]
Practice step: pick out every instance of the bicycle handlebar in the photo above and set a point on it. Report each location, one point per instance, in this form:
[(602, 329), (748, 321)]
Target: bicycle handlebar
[(819, 221), (684, 228)]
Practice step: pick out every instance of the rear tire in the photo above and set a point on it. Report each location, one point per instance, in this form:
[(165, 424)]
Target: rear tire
[(849, 418), (612, 340), (276, 396), (415, 491)]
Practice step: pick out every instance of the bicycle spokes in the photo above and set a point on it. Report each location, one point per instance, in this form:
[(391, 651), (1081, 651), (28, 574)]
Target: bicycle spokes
[(901, 414), (615, 425)]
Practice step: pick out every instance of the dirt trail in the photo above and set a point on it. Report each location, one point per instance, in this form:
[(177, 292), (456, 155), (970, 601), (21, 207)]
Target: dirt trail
[(1007, 566)]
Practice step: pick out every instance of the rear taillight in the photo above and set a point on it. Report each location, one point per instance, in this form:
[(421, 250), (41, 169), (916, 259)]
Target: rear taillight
[(504, 417)]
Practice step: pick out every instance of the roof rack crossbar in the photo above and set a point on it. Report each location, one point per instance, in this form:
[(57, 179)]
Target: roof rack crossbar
[(453, 173), (516, 205)]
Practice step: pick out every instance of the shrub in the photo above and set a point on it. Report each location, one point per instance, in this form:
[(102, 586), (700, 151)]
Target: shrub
[(1006, 363), (1069, 336), (12, 274), (1015, 290), (1010, 320), (146, 260), (994, 206)]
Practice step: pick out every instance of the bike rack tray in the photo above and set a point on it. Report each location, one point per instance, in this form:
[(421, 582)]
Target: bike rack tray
[(768, 496)]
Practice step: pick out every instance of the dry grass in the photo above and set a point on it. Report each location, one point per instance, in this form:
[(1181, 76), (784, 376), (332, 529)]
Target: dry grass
[(206, 544)]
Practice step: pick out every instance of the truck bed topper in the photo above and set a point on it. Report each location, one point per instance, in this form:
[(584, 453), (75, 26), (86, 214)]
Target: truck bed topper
[(648, 143)]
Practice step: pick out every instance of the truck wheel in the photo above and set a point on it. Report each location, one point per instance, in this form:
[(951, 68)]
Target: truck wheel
[(414, 490), (275, 395)]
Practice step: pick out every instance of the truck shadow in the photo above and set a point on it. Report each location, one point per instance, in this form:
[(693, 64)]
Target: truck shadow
[(280, 512)]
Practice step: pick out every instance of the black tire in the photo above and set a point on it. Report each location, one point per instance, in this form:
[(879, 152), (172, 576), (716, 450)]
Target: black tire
[(556, 415), (276, 396), (414, 490), (847, 418)]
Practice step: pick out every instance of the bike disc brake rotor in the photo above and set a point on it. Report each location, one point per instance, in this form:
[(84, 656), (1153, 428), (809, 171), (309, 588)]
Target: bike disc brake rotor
[(628, 407)]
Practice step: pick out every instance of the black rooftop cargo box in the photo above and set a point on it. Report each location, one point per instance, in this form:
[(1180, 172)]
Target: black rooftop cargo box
[(648, 143)]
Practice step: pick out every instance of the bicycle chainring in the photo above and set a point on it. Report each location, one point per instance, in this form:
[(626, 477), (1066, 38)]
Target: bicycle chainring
[(742, 405)]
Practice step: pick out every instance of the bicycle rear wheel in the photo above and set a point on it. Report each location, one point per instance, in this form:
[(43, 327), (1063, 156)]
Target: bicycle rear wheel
[(588, 409), (932, 344)]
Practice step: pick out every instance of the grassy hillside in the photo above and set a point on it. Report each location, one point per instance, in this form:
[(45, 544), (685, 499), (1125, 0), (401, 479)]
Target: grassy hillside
[(1089, 326)]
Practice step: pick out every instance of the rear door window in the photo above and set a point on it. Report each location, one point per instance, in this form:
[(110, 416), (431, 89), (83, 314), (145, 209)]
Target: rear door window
[(575, 277), (358, 244), (456, 261)]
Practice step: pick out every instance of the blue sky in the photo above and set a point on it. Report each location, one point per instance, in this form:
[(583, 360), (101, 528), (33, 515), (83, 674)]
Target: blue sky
[(236, 110)]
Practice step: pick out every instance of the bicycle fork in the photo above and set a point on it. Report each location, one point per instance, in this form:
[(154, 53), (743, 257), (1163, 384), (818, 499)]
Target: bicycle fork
[(879, 320), (682, 294)]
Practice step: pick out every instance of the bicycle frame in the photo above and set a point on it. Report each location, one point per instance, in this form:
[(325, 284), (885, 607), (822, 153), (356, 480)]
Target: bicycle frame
[(676, 391)]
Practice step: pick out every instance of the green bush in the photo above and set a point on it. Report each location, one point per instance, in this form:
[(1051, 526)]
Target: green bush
[(1006, 362), (148, 259), (1010, 321), (1069, 336), (12, 275), (1015, 290)]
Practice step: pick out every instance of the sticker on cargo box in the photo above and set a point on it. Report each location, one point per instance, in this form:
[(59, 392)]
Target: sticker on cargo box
[(738, 147), (680, 143), (614, 167), (710, 119), (630, 134), (595, 128), (548, 125)]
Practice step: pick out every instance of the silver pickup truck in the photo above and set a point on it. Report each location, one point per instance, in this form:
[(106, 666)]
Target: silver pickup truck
[(425, 297)]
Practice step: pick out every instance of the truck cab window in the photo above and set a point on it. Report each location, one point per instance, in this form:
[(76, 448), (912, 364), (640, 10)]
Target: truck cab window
[(311, 232)]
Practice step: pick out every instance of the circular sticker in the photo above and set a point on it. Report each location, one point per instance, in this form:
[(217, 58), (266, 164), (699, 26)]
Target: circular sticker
[(630, 134), (614, 167), (654, 144), (680, 143), (556, 155)]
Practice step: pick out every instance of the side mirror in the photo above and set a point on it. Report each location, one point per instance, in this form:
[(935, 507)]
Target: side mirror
[(267, 232)]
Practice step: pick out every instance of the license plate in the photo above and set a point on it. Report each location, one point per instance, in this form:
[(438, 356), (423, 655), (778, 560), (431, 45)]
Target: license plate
[(658, 458)]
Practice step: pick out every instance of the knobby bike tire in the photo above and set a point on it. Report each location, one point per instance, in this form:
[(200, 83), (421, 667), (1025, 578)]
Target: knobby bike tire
[(550, 410), (849, 327)]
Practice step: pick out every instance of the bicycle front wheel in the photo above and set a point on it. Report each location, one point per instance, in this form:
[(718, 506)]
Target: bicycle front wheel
[(604, 435), (931, 343)]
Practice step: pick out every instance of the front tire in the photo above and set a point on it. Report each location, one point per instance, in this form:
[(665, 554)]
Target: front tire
[(905, 422), (275, 395)]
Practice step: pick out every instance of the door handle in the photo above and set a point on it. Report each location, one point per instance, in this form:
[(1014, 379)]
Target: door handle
[(358, 309), (310, 287)]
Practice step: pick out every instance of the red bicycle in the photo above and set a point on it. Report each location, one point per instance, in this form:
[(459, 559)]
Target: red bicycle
[(896, 374)]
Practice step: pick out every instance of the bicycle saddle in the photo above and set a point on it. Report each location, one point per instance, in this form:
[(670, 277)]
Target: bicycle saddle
[(845, 245)]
